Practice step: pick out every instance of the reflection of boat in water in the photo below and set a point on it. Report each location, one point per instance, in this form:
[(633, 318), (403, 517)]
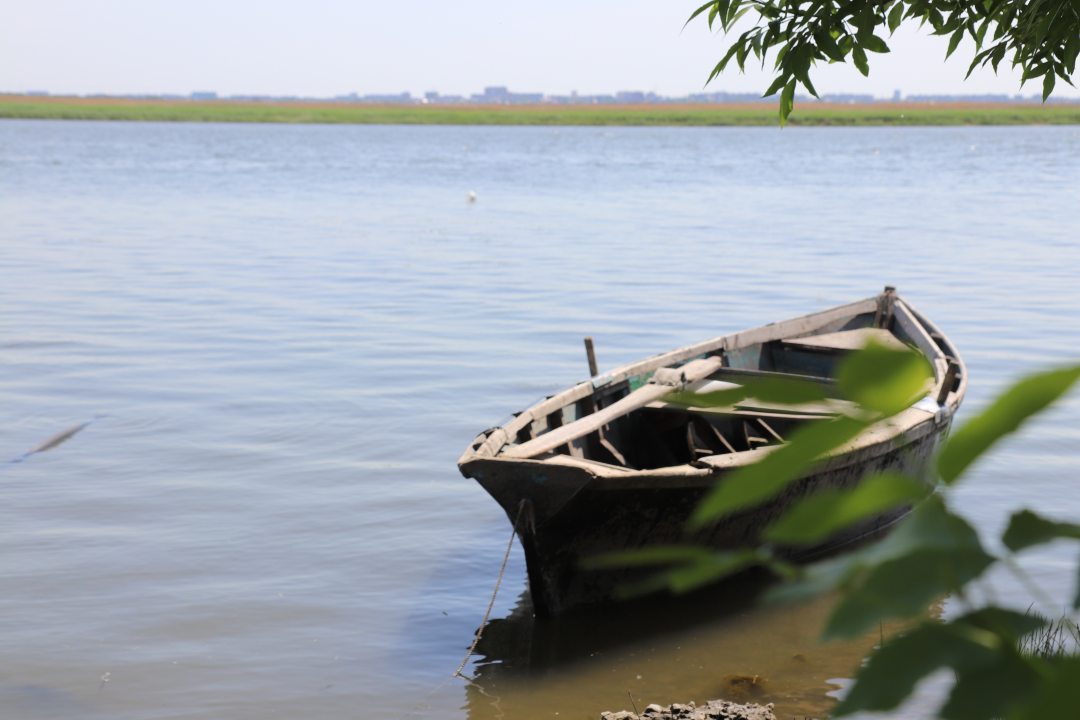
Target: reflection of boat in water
[(610, 464), (706, 645)]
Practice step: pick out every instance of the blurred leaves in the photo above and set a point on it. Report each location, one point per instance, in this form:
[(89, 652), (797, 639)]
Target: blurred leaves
[(788, 391), (933, 553), (979, 647), (821, 515), (778, 467), (691, 566), (1027, 529), (1059, 693), (719, 566), (1005, 415), (903, 588), (883, 380), (880, 380), (1042, 38), (658, 555)]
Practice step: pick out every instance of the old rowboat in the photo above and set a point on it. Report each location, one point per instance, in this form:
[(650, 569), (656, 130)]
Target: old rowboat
[(608, 465)]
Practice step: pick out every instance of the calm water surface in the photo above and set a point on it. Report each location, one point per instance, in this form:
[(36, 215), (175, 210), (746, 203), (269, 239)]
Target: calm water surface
[(288, 334)]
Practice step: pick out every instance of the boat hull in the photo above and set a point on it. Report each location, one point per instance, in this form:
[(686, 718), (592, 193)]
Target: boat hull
[(565, 515)]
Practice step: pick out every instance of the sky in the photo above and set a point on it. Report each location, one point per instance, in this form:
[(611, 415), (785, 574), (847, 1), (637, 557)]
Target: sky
[(322, 48)]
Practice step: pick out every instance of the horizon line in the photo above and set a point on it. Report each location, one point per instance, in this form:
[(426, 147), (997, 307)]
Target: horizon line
[(501, 95)]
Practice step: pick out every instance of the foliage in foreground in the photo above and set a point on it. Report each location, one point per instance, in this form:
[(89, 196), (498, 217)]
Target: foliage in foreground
[(1041, 37), (993, 651)]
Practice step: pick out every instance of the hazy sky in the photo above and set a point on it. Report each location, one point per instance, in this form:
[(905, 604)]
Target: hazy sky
[(331, 47)]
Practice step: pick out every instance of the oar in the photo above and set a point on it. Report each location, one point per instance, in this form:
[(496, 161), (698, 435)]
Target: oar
[(664, 381)]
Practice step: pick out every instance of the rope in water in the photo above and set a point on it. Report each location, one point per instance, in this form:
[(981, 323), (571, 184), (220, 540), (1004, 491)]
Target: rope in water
[(494, 594)]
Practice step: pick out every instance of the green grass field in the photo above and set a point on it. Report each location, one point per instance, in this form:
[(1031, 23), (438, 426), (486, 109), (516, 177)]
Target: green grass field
[(806, 113)]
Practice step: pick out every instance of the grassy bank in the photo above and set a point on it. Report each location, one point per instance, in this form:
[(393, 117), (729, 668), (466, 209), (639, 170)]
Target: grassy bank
[(806, 113)]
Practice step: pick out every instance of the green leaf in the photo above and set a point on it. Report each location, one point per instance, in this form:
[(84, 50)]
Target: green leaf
[(760, 481), (1027, 529), (896, 15), (930, 526), (980, 57), (980, 33), (787, 101), (893, 671), (699, 570), (827, 44), (1008, 624), (874, 44), (787, 391), (930, 532), (719, 566), (972, 645), (711, 6), (780, 55), (733, 12), (1048, 84), (823, 514), (1005, 415), (660, 555), (778, 83), (991, 691), (932, 553), (723, 63), (742, 54), (884, 380), (997, 55), (804, 78), (954, 41), (904, 587), (859, 56), (1059, 695), (810, 581)]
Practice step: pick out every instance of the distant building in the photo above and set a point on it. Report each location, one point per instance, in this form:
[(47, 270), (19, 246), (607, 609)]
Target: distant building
[(434, 98), (989, 98), (725, 97), (392, 99), (203, 95), (849, 98), (495, 94), (630, 96), (501, 95)]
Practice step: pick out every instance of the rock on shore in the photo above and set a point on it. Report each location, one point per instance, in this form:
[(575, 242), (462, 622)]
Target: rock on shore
[(713, 710)]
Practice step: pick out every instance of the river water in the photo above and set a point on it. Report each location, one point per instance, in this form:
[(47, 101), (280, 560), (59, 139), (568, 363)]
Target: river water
[(284, 336)]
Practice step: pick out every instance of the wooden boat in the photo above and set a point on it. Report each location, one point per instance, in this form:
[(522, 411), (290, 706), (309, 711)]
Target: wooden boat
[(608, 465)]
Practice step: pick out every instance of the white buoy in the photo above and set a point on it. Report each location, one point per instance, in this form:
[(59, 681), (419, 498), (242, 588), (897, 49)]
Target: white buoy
[(471, 197)]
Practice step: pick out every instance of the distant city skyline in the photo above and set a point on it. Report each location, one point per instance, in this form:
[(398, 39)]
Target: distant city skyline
[(327, 48), (502, 95)]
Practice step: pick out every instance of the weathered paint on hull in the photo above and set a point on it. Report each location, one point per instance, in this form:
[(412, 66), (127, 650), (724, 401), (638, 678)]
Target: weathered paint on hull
[(566, 514)]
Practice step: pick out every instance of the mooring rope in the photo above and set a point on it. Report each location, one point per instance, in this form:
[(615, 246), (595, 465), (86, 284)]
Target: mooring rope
[(494, 594)]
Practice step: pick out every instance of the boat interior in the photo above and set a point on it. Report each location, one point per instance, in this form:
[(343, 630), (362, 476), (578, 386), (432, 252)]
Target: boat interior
[(661, 433)]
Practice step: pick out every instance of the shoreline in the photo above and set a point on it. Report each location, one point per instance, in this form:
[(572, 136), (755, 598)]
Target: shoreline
[(807, 113)]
